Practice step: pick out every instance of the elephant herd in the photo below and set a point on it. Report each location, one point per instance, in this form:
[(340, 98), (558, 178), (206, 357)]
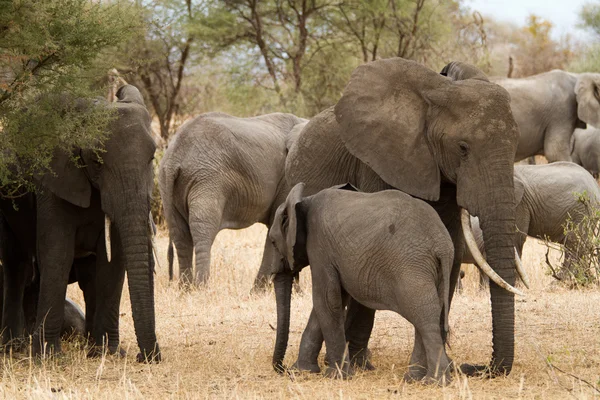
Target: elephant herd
[(384, 195)]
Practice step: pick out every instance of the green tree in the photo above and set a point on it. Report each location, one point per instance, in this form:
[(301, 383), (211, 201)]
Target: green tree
[(589, 58), (49, 57)]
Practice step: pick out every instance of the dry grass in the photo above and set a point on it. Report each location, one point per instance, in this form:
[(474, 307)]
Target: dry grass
[(217, 342)]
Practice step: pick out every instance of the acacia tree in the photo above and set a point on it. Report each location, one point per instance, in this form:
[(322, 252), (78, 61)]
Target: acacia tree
[(48, 54), (158, 57)]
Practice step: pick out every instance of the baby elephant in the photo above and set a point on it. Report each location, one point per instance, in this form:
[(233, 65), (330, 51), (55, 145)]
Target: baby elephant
[(387, 250)]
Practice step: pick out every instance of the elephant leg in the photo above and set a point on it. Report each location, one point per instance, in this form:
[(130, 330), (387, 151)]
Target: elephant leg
[(329, 309), (418, 361), (85, 272), (204, 226), (109, 287), (13, 317), (179, 232), (557, 142), (310, 346), (55, 249), (358, 327), (420, 304)]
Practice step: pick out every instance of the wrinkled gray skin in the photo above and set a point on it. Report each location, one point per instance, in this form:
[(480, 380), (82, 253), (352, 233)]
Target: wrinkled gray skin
[(548, 107), (451, 142), (71, 209), (546, 198), (223, 172), (586, 149), (73, 324), (402, 263), (19, 269)]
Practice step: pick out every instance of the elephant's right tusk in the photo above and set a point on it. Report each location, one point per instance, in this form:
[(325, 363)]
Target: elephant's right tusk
[(107, 237), (520, 270), (480, 260)]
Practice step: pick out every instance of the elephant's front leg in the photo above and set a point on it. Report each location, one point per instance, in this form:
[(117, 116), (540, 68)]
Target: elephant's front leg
[(109, 287), (55, 255)]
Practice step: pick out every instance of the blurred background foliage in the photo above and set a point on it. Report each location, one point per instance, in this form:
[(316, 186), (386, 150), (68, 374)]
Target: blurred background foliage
[(243, 57)]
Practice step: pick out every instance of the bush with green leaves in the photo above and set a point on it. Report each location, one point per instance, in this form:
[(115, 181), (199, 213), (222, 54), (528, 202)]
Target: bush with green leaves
[(581, 247), (50, 57)]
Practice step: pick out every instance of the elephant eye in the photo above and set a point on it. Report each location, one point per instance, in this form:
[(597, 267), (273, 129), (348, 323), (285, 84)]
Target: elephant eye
[(464, 148)]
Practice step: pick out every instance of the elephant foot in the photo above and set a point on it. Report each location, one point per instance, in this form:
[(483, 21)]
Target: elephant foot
[(47, 349), (339, 373), (304, 366), (484, 370), (149, 357), (415, 373), (16, 345), (362, 360), (442, 380), (99, 351)]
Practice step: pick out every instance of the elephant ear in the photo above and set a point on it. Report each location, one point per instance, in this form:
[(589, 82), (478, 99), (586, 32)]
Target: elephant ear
[(67, 180), (130, 94), (458, 71), (382, 115), (587, 91), (288, 231)]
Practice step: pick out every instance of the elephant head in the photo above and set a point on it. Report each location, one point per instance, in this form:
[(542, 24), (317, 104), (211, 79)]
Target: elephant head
[(419, 130), (587, 91), (122, 173)]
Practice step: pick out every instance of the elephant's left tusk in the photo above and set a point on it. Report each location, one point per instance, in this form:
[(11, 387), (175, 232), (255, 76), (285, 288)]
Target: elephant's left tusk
[(152, 235), (521, 270), (107, 237), (465, 220)]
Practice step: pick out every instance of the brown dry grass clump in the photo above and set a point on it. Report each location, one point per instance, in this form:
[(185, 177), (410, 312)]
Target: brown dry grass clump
[(217, 343)]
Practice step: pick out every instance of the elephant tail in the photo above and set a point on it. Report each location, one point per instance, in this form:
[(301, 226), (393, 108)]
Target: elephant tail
[(170, 257), (446, 262)]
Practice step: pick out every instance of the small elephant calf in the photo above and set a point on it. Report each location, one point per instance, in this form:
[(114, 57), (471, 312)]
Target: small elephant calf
[(386, 250)]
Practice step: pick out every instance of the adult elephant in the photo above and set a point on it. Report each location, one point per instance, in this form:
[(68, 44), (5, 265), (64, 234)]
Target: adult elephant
[(548, 107), (19, 297), (223, 172), (101, 207), (548, 197), (448, 140), (585, 149)]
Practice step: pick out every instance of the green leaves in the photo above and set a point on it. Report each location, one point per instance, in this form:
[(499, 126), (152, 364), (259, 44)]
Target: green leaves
[(49, 57)]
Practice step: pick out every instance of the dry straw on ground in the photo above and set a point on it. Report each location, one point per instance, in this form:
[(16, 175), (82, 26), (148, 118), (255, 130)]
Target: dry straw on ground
[(217, 343)]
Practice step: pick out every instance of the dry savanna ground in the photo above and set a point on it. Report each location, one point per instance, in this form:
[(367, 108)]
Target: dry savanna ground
[(217, 343)]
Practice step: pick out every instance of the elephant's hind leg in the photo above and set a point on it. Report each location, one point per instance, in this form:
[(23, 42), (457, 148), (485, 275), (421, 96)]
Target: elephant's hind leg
[(182, 239), (205, 221)]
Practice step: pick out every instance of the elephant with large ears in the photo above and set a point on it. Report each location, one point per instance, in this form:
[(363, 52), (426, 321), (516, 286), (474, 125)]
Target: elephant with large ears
[(548, 107), (101, 207), (445, 140)]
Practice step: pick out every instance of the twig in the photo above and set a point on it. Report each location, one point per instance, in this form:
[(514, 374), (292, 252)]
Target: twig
[(552, 366)]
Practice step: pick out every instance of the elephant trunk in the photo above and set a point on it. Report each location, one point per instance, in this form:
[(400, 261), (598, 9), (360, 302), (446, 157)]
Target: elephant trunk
[(497, 220), (283, 295), (137, 257)]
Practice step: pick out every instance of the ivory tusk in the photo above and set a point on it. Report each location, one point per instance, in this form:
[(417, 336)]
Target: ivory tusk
[(521, 270), (480, 260), (153, 244), (107, 237)]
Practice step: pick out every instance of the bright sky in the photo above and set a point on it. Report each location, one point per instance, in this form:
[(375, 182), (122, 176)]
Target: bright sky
[(562, 13)]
